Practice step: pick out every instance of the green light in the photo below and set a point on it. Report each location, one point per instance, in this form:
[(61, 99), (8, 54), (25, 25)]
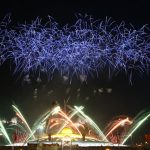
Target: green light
[(136, 126), (3, 130)]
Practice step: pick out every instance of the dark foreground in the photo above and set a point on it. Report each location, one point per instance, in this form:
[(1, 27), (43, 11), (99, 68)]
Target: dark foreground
[(55, 147)]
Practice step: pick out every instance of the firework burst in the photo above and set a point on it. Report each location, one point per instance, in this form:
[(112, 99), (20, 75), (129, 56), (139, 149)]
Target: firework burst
[(86, 48)]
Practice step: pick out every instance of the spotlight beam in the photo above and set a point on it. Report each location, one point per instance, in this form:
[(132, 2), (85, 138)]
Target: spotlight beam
[(92, 123)]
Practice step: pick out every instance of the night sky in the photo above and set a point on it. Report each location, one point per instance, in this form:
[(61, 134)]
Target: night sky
[(100, 103)]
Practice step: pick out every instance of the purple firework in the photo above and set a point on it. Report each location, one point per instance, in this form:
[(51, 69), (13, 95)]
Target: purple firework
[(86, 48)]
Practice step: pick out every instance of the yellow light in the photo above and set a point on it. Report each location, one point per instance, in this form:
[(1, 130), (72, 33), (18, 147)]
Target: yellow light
[(66, 131)]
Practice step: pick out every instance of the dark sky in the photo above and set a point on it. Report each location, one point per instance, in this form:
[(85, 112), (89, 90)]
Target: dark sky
[(124, 99)]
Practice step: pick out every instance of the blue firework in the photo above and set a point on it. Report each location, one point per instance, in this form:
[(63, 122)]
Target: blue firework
[(86, 48)]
